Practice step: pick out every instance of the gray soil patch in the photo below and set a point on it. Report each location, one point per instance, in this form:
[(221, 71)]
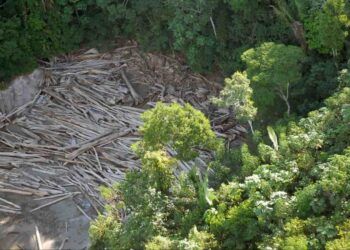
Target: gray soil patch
[(21, 90), (56, 223)]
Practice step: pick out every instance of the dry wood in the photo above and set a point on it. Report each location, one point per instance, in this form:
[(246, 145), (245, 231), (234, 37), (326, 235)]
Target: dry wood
[(83, 212), (51, 203), (10, 203), (62, 244), (11, 211), (98, 160), (13, 191), (38, 238), (105, 138), (51, 196), (135, 95), (8, 208), (77, 131)]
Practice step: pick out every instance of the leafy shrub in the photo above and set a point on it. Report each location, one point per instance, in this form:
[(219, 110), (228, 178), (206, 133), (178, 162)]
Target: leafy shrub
[(344, 241), (237, 94), (185, 129)]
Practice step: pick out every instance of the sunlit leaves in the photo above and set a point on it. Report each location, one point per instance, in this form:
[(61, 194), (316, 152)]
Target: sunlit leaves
[(185, 129), (237, 94), (328, 27)]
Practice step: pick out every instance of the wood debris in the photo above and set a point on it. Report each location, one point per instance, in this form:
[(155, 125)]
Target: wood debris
[(77, 131), (38, 238)]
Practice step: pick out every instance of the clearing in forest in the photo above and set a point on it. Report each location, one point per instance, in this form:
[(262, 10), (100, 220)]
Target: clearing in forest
[(75, 136)]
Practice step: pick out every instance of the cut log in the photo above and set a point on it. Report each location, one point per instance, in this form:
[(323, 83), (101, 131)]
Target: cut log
[(105, 138)]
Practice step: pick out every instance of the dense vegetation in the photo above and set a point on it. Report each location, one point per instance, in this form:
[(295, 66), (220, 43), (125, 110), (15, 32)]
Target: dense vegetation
[(291, 191), (210, 34), (287, 187)]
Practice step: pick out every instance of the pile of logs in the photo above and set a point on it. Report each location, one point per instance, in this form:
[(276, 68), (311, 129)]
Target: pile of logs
[(75, 135)]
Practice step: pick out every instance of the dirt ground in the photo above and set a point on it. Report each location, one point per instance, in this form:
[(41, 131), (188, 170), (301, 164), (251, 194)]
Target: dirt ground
[(21, 90), (57, 223), (61, 225)]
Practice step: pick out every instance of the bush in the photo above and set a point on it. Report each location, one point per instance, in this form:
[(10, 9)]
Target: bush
[(185, 129)]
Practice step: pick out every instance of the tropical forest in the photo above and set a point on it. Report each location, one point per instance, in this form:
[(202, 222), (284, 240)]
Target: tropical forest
[(175, 124)]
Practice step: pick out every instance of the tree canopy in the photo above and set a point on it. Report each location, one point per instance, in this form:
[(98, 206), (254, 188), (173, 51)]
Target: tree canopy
[(237, 94), (184, 129), (292, 195), (286, 186), (273, 68), (328, 27)]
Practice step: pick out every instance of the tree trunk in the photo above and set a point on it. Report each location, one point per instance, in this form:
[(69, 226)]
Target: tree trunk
[(299, 34), (251, 126), (285, 98), (288, 106)]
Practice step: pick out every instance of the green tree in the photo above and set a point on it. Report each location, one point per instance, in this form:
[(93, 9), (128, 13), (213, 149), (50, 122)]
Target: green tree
[(273, 68), (327, 28), (193, 28), (183, 128), (237, 94), (158, 166), (156, 203)]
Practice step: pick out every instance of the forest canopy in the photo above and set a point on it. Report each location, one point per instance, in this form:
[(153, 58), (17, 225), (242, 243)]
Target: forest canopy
[(212, 36), (286, 64)]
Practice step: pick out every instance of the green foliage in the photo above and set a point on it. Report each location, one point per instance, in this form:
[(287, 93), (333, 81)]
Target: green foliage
[(103, 232), (249, 161), (295, 196), (344, 238), (292, 195), (339, 244), (158, 166), (318, 83), (338, 129), (327, 28), (135, 17), (160, 243), (295, 243), (192, 29), (198, 241), (273, 137), (184, 129), (31, 30), (305, 7), (237, 94), (155, 202), (266, 67), (208, 33), (305, 201), (226, 164), (149, 208)]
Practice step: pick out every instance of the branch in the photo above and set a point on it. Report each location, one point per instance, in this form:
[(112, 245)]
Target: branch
[(213, 25)]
